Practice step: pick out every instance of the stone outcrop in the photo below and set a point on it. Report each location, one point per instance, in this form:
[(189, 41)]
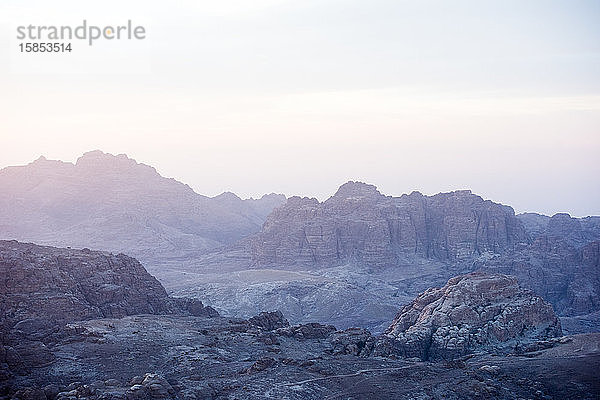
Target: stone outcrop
[(67, 285), (576, 232), (184, 357), (354, 341), (554, 268), (269, 321), (191, 306), (359, 223), (42, 284), (560, 264), (470, 313), (311, 330)]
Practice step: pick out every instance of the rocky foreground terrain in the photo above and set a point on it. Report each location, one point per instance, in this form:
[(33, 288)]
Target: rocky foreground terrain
[(68, 333), (167, 357), (44, 288)]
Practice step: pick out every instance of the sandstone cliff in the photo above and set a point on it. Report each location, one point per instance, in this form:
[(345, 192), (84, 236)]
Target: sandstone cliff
[(358, 223), (368, 254), (40, 283)]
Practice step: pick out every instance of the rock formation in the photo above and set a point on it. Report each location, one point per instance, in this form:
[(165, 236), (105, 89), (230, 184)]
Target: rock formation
[(369, 254), (68, 285), (354, 341), (311, 330), (185, 354), (358, 223), (173, 357), (576, 232), (470, 313), (269, 321), (561, 265)]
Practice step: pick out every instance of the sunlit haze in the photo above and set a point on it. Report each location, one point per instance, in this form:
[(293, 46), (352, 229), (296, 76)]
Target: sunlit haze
[(297, 97)]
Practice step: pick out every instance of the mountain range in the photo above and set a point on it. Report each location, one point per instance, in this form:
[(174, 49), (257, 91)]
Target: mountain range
[(353, 259), (113, 203)]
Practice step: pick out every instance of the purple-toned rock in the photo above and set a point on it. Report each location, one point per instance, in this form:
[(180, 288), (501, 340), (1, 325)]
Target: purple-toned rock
[(61, 285), (471, 312), (311, 330), (113, 203), (269, 321), (359, 223), (193, 307), (354, 341)]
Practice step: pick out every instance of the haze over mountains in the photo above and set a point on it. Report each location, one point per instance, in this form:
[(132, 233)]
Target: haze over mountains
[(353, 259), (113, 203), (350, 283)]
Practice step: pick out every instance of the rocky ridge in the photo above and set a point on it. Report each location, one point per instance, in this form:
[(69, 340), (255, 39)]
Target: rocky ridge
[(561, 264), (369, 253), (360, 224), (470, 313)]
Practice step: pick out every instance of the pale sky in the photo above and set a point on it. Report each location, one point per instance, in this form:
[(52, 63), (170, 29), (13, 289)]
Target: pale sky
[(500, 97)]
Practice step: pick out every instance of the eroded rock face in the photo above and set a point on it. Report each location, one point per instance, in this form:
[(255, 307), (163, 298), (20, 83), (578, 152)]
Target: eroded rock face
[(354, 341), (191, 306), (359, 223), (471, 312), (560, 264), (565, 275), (67, 285), (44, 287)]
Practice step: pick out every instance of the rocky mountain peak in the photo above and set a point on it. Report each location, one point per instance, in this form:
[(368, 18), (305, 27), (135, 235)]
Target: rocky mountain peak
[(273, 196), (355, 190), (297, 201), (112, 202), (44, 164), (562, 224), (99, 161), (228, 197), (360, 224)]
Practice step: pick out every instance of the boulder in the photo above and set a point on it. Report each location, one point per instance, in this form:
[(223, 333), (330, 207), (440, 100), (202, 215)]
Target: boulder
[(269, 321), (354, 341)]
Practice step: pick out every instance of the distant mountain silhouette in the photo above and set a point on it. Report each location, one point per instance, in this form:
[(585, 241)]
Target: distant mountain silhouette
[(113, 203)]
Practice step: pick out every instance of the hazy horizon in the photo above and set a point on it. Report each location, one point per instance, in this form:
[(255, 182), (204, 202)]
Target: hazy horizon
[(320, 196), (499, 97)]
